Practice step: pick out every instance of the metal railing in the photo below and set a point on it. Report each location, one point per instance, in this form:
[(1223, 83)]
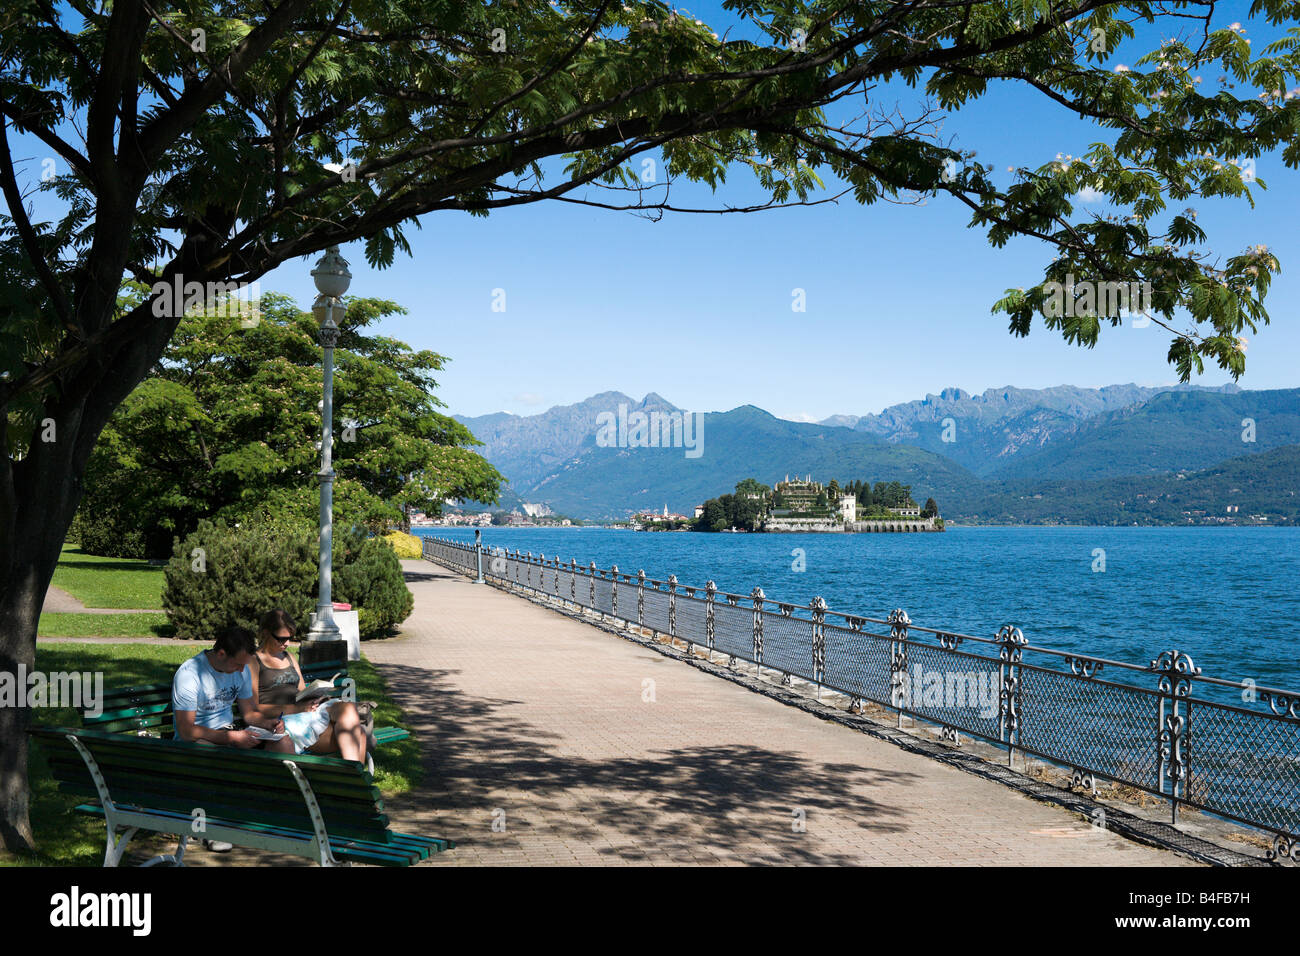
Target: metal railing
[(1140, 726)]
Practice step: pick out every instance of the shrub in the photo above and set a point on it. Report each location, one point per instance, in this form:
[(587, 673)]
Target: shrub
[(405, 545), (372, 581), (102, 533), (274, 563), (238, 574)]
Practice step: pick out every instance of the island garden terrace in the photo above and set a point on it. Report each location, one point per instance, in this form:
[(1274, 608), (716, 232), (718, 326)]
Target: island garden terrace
[(1231, 751)]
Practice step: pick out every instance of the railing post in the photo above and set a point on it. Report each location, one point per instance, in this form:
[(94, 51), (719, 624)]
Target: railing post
[(899, 686), (818, 608), (757, 595), (478, 554), (592, 583), (1176, 672), (672, 611), (613, 591), (710, 595), (1010, 644), (573, 581), (556, 585), (640, 598)]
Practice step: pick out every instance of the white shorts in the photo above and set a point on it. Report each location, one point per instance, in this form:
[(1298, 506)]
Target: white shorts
[(305, 728)]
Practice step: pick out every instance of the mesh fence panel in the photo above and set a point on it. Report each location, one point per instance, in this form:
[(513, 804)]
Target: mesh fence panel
[(857, 663), (1090, 724), (604, 595), (787, 644), (952, 688), (733, 629), (690, 617), (1245, 765), (656, 609)]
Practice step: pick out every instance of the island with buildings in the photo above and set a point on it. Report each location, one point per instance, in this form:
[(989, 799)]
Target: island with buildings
[(804, 505)]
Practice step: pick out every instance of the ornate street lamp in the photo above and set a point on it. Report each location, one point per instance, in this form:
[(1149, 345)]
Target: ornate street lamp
[(332, 279)]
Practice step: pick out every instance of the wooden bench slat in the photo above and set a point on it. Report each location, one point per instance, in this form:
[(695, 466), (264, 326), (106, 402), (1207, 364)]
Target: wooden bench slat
[(399, 853), (355, 824), (194, 793), (221, 768)]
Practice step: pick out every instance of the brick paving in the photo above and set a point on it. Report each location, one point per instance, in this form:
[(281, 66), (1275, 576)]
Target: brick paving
[(544, 727)]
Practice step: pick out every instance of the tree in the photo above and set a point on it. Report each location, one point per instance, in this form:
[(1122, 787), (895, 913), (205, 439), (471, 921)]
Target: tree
[(930, 510), (202, 130), (227, 426), (729, 510), (865, 500), (833, 490)]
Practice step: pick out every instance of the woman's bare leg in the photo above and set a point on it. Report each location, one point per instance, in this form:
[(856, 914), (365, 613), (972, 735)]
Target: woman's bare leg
[(345, 734)]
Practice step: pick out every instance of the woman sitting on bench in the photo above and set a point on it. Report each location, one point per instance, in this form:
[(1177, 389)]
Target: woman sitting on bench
[(316, 726)]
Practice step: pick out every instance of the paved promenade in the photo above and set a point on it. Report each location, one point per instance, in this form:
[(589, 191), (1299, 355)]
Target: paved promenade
[(584, 748)]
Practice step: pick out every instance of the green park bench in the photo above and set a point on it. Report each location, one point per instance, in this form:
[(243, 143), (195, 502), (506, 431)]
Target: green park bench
[(147, 710), (321, 808)]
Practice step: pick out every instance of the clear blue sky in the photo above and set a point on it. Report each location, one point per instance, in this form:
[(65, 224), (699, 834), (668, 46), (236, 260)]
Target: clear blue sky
[(697, 308)]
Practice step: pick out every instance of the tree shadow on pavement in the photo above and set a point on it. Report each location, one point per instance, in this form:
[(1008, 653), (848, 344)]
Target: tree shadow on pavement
[(710, 803)]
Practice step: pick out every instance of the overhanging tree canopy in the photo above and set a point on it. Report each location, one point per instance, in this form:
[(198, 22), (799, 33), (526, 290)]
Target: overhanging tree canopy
[(187, 140), (227, 426)]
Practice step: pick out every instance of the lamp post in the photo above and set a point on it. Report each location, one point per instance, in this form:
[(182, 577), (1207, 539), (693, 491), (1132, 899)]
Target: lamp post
[(332, 279)]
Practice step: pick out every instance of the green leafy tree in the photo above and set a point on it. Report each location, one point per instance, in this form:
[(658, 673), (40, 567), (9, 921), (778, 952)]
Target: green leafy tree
[(750, 503), (714, 516), (190, 142), (227, 426), (930, 510)]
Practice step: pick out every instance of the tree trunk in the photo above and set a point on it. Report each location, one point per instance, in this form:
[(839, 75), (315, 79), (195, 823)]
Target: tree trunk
[(39, 495), (44, 504)]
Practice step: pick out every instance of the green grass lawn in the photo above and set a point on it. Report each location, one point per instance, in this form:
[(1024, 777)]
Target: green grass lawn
[(65, 838), (60, 624), (109, 582)]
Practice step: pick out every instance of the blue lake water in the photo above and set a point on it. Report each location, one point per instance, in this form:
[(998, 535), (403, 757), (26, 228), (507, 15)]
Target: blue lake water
[(1226, 596)]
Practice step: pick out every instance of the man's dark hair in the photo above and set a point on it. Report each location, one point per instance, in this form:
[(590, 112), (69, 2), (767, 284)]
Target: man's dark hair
[(236, 640)]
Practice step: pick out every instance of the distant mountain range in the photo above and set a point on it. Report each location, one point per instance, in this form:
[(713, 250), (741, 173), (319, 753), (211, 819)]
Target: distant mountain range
[(1054, 448), (1002, 424)]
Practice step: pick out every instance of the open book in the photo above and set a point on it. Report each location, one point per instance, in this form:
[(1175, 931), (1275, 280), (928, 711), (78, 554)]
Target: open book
[(320, 688), (263, 734)]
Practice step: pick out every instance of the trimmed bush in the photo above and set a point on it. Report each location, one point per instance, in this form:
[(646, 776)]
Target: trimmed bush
[(106, 535), (372, 581), (406, 546), (240, 573), (220, 576)]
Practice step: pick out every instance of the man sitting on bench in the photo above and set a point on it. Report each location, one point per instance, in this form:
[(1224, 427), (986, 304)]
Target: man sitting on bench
[(210, 682), (203, 691)]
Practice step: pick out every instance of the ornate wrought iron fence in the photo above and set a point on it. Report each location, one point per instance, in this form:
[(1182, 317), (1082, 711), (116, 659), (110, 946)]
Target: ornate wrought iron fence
[(1231, 748)]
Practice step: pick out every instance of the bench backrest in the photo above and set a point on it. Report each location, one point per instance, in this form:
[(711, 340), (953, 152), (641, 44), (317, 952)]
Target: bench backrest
[(243, 786), (148, 708)]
